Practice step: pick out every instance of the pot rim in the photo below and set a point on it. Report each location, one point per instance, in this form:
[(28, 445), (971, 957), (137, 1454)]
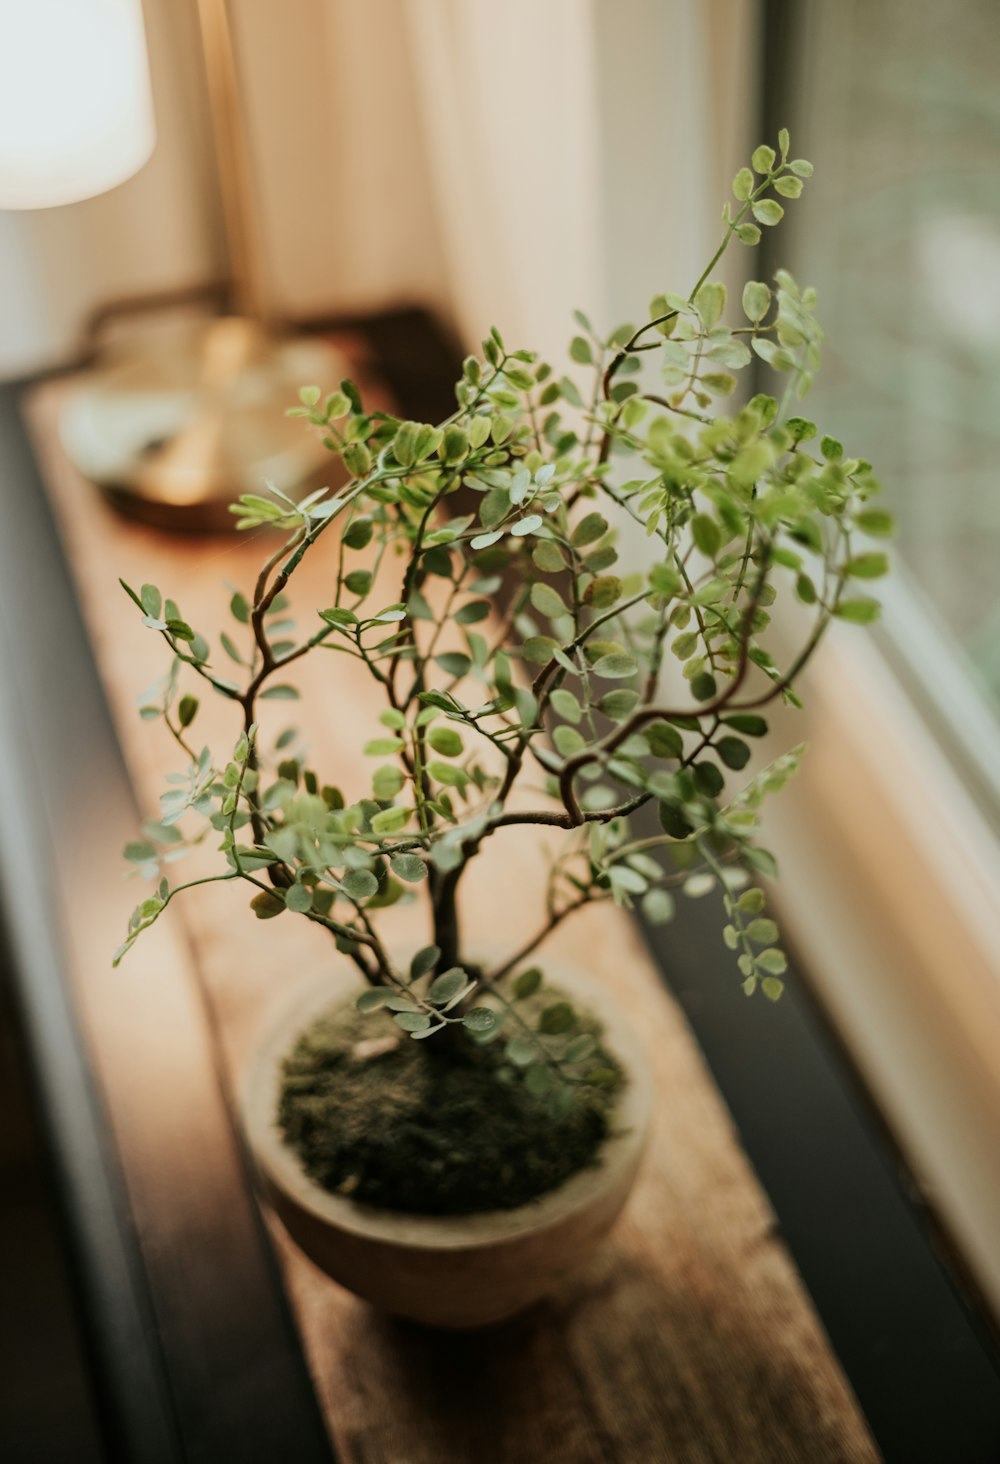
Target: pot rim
[(280, 1166)]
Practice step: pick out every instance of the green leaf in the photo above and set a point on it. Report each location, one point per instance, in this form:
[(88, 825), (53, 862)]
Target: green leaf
[(400, 1001), (387, 782), (862, 611), (756, 300), (665, 580), (526, 525), (603, 1077), (472, 612), (706, 534), (409, 867), (747, 233), (338, 616), (663, 740), (867, 566), (187, 710), (548, 557), (358, 533), (768, 211), (538, 1080), (772, 987), (267, 905), (746, 722), (373, 998), (447, 985), (579, 350), (762, 860), (479, 430), (876, 522), (538, 649), (751, 901), (446, 741), (299, 898), (708, 779), (280, 692), (557, 1019), (658, 906), (412, 1021), (359, 884), (592, 526), (581, 1047), (566, 704), (710, 302), (703, 687), (382, 746), (151, 600), (453, 663), (520, 1051), (424, 962), (619, 704), (482, 1020), (773, 961), (357, 459), (733, 752), (448, 775), (546, 600), (390, 820), (788, 187), (483, 541), (603, 591), (229, 648), (762, 931), (359, 581), (615, 667), (763, 158), (527, 983), (801, 168), (743, 184), (454, 445), (567, 740)]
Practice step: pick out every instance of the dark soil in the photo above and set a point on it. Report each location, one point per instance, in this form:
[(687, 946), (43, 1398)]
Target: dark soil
[(429, 1127)]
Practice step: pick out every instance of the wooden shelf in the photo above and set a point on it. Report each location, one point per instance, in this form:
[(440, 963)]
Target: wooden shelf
[(691, 1338)]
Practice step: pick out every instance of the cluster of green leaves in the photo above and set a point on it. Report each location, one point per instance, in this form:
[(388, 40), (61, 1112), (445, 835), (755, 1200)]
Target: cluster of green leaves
[(553, 1050), (513, 649)]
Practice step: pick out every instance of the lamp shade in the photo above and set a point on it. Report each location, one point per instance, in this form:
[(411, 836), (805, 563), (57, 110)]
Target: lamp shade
[(76, 108)]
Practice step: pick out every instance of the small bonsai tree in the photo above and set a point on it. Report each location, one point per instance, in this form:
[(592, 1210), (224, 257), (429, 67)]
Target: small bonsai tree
[(517, 654)]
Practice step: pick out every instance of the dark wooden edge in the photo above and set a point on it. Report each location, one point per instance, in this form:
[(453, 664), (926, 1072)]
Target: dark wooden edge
[(917, 1355), (195, 1354)]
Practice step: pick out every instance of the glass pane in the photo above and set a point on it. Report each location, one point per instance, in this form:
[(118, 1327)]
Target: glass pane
[(898, 105)]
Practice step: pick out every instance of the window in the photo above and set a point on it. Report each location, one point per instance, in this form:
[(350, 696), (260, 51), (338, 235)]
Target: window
[(898, 107)]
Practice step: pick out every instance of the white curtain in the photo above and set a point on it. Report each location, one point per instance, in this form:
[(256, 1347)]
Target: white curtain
[(581, 151)]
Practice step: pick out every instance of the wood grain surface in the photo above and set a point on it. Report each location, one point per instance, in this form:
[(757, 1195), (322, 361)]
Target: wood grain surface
[(691, 1337)]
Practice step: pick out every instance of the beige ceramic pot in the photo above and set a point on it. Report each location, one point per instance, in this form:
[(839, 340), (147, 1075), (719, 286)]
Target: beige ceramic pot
[(446, 1271)]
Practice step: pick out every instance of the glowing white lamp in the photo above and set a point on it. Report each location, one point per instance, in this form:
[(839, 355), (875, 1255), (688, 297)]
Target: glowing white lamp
[(76, 109)]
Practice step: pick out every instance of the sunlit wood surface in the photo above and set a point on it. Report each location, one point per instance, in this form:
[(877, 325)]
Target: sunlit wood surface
[(691, 1337)]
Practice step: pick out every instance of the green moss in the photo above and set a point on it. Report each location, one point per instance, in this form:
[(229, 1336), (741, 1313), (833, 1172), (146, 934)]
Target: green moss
[(433, 1128)]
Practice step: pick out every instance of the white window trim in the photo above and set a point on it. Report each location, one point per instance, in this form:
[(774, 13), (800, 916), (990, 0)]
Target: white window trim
[(890, 890)]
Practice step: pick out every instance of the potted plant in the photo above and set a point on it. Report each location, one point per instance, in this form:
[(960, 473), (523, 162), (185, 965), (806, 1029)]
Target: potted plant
[(448, 1129)]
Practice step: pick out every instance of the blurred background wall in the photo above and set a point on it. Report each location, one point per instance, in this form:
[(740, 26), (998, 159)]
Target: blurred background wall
[(493, 163)]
